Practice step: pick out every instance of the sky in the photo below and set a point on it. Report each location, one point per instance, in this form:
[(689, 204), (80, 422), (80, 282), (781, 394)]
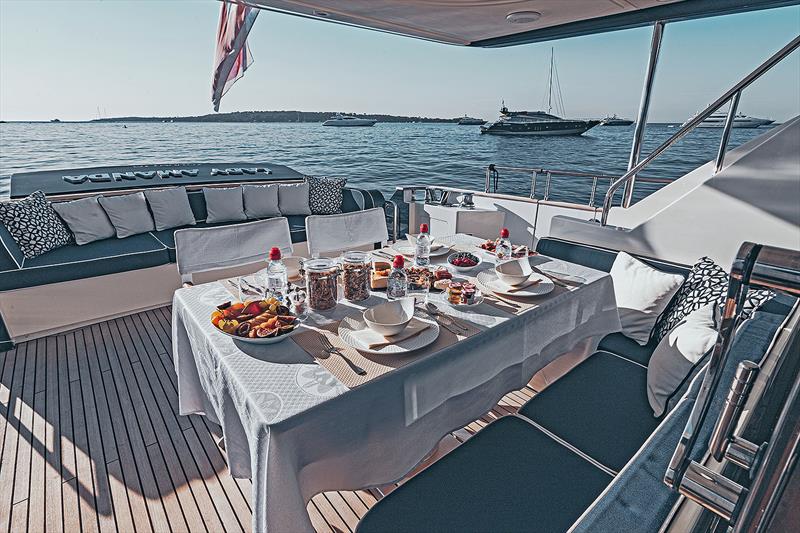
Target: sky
[(77, 60)]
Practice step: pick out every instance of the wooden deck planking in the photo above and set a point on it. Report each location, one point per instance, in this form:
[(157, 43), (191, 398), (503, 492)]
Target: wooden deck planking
[(91, 440)]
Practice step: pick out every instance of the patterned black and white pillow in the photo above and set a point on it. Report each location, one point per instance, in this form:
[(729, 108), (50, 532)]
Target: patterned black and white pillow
[(34, 225), (707, 282), (325, 195)]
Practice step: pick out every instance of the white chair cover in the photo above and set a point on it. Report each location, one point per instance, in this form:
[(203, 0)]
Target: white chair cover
[(337, 233), (203, 249)]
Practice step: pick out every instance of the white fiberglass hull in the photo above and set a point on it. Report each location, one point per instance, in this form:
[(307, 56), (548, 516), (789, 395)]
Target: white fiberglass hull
[(744, 123), (350, 122)]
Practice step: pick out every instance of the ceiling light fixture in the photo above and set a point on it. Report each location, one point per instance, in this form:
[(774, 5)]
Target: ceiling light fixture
[(523, 17)]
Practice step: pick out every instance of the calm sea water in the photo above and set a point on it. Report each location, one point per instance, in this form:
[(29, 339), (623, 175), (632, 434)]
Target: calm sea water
[(381, 157)]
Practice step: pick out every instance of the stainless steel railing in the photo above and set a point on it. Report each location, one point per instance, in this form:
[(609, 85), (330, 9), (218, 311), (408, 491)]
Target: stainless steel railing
[(493, 179), (733, 94), (755, 267)]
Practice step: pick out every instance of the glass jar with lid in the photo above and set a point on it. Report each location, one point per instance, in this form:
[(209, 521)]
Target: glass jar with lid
[(355, 276), (321, 279)]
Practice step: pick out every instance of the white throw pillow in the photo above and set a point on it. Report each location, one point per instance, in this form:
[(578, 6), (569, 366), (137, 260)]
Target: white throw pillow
[(642, 293), (677, 355)]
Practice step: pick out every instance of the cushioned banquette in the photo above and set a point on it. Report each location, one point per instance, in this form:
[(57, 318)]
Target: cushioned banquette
[(585, 453), (114, 255)]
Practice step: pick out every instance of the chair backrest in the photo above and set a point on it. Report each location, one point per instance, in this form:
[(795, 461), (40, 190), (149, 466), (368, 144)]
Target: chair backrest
[(204, 249), (337, 233)]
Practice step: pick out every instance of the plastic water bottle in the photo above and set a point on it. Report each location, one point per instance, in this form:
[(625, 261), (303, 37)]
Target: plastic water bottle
[(503, 248), (422, 254), (276, 275), (397, 283)]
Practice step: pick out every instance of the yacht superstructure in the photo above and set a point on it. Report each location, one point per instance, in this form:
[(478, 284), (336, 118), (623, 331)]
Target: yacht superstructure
[(614, 120), (347, 121), (470, 121), (94, 432), (717, 120)]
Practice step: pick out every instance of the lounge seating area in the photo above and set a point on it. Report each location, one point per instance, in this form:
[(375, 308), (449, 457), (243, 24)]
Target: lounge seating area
[(585, 454), (149, 249)]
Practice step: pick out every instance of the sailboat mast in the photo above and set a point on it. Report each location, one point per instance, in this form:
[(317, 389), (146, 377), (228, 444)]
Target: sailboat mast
[(550, 84)]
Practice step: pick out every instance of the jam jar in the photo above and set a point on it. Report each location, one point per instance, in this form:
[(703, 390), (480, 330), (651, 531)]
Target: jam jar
[(321, 283), (355, 275)]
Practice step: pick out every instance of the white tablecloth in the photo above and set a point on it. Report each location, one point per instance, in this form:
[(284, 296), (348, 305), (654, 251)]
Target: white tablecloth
[(295, 430)]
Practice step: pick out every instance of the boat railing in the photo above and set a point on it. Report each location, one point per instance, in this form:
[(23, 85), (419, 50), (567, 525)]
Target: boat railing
[(732, 95), (542, 183)]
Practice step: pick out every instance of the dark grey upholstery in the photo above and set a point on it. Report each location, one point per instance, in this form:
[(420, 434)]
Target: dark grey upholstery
[(97, 258), (637, 500), (12, 277), (596, 257), (619, 344), (508, 477), (600, 407)]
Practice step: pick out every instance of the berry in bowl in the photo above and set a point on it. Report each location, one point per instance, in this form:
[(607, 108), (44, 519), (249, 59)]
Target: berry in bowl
[(463, 261)]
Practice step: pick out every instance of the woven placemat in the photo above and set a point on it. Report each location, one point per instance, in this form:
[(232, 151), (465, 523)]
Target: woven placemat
[(376, 365), (517, 304)]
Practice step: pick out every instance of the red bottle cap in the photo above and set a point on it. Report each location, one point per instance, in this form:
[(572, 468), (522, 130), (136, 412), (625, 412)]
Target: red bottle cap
[(274, 254), (423, 228), (399, 261), (504, 233)]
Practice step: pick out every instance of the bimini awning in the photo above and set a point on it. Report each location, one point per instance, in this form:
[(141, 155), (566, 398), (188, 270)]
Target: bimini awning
[(493, 23)]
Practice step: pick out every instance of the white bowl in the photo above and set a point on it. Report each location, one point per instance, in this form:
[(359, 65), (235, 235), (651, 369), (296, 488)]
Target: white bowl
[(390, 318), (462, 268), (514, 272)]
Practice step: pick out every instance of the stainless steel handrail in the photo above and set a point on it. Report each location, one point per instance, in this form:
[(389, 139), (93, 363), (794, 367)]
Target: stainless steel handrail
[(595, 177), (697, 119), (755, 266)]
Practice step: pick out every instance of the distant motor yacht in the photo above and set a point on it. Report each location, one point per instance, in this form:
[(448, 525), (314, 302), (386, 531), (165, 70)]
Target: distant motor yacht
[(717, 120), (348, 121), (614, 120), (539, 122), (470, 121), (536, 123)]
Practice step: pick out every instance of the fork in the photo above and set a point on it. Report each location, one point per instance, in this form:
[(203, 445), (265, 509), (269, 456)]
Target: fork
[(437, 318), (331, 349)]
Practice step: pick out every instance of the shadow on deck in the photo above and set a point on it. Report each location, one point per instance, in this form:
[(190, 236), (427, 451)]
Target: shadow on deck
[(90, 440)]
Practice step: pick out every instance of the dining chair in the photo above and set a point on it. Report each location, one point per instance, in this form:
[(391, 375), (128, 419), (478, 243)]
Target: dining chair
[(206, 249), (345, 231)]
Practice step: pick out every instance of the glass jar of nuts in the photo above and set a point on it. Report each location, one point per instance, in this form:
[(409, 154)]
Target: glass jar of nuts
[(321, 280), (355, 276)]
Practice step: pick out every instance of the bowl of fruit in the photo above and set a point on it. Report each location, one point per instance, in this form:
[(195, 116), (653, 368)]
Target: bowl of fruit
[(463, 261), (255, 321)]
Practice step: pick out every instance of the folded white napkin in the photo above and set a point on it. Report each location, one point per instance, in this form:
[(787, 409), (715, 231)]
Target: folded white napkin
[(372, 340)]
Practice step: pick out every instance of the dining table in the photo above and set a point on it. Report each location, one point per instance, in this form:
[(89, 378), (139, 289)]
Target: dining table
[(297, 419)]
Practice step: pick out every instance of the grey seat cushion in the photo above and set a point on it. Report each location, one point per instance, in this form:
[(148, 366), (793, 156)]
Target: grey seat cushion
[(128, 213), (224, 204), (600, 407), (508, 477), (86, 219), (98, 258), (293, 199), (261, 201), (619, 344), (170, 207)]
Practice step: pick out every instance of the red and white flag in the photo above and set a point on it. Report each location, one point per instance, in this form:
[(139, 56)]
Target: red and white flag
[(233, 55)]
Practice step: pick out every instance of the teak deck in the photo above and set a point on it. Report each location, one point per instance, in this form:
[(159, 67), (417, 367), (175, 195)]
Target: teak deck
[(90, 440)]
